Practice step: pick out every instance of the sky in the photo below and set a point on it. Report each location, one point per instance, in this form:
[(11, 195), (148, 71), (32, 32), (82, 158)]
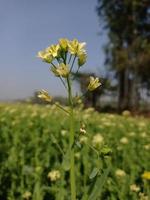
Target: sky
[(28, 26)]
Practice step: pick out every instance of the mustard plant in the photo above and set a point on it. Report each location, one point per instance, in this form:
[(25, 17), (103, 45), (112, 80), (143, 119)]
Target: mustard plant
[(66, 59)]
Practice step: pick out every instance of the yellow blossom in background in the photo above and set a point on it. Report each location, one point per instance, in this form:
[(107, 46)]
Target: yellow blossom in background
[(82, 131), (143, 134), (120, 173), (44, 96), (54, 175), (131, 134), (147, 146), (142, 124), (94, 83), (134, 188), (61, 70), (143, 196), (26, 195), (77, 155), (146, 175), (83, 139), (63, 132), (126, 113), (63, 42), (124, 140), (97, 140), (78, 100)]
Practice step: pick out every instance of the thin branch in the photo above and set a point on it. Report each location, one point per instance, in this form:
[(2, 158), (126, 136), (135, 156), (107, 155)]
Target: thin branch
[(62, 108), (72, 63), (70, 58), (57, 144)]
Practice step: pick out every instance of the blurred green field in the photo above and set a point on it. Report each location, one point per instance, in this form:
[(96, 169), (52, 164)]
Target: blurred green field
[(30, 141)]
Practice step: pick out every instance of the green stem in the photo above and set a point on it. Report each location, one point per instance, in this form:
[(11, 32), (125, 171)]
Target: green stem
[(71, 142), (76, 74), (59, 106), (72, 63), (94, 150), (54, 140), (70, 58)]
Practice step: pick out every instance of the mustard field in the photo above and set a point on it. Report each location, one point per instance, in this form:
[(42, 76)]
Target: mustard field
[(112, 154)]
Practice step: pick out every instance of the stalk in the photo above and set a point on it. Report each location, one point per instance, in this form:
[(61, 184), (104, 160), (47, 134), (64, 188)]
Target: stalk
[(71, 142)]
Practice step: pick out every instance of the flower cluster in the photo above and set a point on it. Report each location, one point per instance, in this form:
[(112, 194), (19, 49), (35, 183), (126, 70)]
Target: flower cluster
[(27, 195), (134, 188), (82, 129), (54, 175), (62, 57), (97, 140), (63, 52), (120, 173)]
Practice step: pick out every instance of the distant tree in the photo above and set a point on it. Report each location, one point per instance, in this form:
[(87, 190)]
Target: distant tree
[(128, 25)]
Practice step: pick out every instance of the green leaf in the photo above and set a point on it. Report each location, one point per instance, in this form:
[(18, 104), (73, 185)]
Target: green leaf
[(54, 140), (94, 173), (66, 161), (106, 151), (97, 189), (78, 144)]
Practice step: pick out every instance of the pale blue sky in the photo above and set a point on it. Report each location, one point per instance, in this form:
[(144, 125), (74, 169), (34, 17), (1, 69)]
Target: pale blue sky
[(28, 26)]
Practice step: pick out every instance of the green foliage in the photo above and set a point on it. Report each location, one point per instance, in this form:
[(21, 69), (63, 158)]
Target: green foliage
[(31, 141)]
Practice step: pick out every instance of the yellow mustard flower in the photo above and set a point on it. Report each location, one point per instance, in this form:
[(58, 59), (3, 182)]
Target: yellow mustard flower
[(82, 59), (61, 70), (120, 173), (146, 175), (83, 139), (54, 50), (124, 140), (134, 188), (45, 56), (126, 113), (27, 195), (82, 131), (54, 175), (143, 196), (55, 71), (97, 140), (63, 42), (44, 96), (76, 48), (147, 146), (94, 83), (77, 155)]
